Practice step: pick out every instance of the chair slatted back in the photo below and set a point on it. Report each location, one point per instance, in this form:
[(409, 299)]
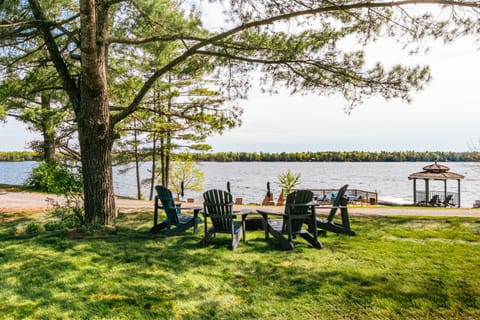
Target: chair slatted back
[(340, 200), (166, 198), (218, 205), (297, 209), (435, 200), (448, 201)]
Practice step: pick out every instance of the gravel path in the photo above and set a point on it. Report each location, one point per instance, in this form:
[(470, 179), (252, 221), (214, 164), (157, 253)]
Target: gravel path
[(17, 201)]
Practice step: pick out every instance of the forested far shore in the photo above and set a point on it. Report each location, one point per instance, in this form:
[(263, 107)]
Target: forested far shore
[(340, 156), (323, 156), (14, 156)]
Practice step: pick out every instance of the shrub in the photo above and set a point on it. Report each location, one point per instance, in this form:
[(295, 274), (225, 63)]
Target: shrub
[(70, 217), (32, 228), (53, 226), (55, 177)]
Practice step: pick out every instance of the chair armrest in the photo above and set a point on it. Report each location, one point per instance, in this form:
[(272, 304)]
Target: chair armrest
[(160, 206), (188, 208), (219, 204), (195, 210), (331, 207), (308, 204), (271, 213), (242, 212)]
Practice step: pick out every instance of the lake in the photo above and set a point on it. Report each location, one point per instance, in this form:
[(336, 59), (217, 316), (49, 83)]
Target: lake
[(248, 179)]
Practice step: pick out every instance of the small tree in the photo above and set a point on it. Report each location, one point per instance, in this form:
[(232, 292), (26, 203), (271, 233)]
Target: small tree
[(185, 170), (289, 181)]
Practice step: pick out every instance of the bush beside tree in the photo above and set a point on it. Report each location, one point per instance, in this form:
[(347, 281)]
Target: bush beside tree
[(55, 177)]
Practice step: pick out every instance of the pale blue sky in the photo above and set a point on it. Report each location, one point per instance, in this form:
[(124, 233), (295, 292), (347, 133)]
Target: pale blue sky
[(445, 116)]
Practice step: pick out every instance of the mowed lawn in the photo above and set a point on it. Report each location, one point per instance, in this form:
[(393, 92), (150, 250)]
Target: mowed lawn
[(395, 268)]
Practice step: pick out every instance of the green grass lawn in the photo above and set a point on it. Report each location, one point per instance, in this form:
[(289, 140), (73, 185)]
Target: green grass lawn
[(395, 268)]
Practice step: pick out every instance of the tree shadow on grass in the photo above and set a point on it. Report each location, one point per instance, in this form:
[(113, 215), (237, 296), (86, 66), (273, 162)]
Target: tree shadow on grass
[(92, 277), (358, 295), (9, 227), (136, 274)]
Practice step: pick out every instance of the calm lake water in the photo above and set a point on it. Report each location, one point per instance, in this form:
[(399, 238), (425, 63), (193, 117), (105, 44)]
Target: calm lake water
[(248, 179)]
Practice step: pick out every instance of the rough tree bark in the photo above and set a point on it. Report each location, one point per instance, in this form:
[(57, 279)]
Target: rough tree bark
[(48, 130), (94, 122)]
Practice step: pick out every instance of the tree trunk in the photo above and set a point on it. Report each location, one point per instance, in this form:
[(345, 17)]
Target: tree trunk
[(164, 158), (89, 97), (48, 129), (162, 161), (167, 158), (96, 145), (48, 146), (154, 164), (97, 177), (137, 160), (95, 129)]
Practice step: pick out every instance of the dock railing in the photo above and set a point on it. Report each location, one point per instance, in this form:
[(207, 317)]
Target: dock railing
[(354, 196)]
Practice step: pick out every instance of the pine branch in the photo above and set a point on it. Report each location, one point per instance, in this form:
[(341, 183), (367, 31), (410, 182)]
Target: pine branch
[(44, 27), (331, 7)]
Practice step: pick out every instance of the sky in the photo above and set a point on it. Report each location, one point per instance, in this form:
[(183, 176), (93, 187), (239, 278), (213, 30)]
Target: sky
[(444, 116)]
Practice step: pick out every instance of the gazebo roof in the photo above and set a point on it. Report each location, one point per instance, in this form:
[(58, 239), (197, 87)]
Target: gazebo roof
[(436, 172), (436, 168)]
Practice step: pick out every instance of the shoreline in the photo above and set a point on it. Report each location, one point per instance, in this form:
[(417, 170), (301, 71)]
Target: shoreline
[(248, 180), (24, 201)]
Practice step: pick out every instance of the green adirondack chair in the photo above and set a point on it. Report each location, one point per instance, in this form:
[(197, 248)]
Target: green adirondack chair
[(217, 206), (298, 211), (329, 224), (435, 201), (176, 222), (448, 202)]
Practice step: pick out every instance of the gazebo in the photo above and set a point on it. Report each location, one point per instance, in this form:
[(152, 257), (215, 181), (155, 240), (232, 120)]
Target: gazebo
[(435, 172)]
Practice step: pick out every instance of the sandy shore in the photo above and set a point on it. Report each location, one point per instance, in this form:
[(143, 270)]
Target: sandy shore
[(17, 201)]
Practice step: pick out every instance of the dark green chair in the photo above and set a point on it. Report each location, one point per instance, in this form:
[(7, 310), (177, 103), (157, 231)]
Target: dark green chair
[(448, 202), (435, 201), (329, 224), (218, 207), (176, 222), (298, 211)]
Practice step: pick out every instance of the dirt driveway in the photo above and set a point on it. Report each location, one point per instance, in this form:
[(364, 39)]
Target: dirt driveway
[(14, 200)]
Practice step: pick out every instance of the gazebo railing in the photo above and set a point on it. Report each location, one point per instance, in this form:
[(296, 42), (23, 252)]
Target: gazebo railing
[(422, 199)]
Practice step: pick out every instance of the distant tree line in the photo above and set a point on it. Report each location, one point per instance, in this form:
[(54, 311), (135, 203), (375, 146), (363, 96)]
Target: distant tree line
[(19, 156), (340, 156), (323, 156)]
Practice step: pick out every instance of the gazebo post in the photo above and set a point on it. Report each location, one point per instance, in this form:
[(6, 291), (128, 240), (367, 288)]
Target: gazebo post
[(427, 191), (415, 192), (458, 192), (444, 190)]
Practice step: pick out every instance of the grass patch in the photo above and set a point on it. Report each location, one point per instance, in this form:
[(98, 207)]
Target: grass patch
[(395, 268)]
